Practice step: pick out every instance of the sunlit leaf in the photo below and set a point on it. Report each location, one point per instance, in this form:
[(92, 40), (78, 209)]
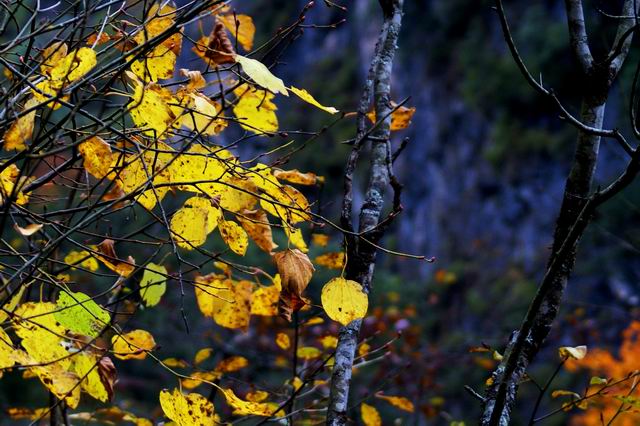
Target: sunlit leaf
[(370, 415), (255, 110), (97, 156), (80, 314), (153, 284), (398, 401), (132, 345), (261, 75), (187, 410), (241, 27), (331, 260), (21, 129), (283, 341), (306, 96), (344, 301)]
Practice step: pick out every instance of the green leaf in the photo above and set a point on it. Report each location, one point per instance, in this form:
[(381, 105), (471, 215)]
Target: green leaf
[(80, 314), (153, 284)]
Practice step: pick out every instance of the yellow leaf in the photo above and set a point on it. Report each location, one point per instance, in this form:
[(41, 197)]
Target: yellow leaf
[(321, 240), (202, 355), (87, 367), (568, 352), (247, 408), (6, 351), (306, 96), (242, 28), (261, 75), (400, 118), (234, 236), (294, 235), (231, 364), (175, 363), (97, 156), (370, 416), (187, 410), (398, 402), (344, 301), (258, 227), (203, 115), (227, 302), (329, 342), (11, 181), (265, 301), (52, 55), (153, 108), (82, 259), (257, 396), (133, 345), (331, 260), (21, 129), (255, 110), (75, 65), (363, 349), (296, 176), (189, 226), (132, 173), (158, 64), (308, 352), (283, 341), (153, 284), (199, 377)]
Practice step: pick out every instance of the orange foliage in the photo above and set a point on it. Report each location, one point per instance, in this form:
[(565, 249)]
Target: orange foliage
[(602, 363)]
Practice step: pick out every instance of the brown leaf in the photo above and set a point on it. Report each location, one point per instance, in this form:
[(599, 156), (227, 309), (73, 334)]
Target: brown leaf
[(217, 48), (295, 269), (112, 261), (107, 373)]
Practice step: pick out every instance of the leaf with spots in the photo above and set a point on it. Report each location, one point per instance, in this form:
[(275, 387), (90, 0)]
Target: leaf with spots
[(80, 314), (132, 345), (187, 410)]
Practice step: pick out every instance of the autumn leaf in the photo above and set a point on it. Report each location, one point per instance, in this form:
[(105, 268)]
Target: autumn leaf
[(203, 115), (370, 416), (21, 129), (216, 49), (295, 270), (283, 341), (255, 110), (202, 355), (344, 301), (261, 75), (331, 260), (227, 302), (187, 410), (296, 176), (79, 313), (107, 255), (248, 408), (241, 27), (257, 225), (308, 353), (97, 156), (306, 96), (231, 364), (132, 345), (568, 352), (10, 184), (397, 401), (153, 284), (82, 259), (234, 236), (400, 117)]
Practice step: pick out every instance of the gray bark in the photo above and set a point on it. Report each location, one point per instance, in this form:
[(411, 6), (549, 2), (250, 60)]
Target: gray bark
[(361, 253)]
